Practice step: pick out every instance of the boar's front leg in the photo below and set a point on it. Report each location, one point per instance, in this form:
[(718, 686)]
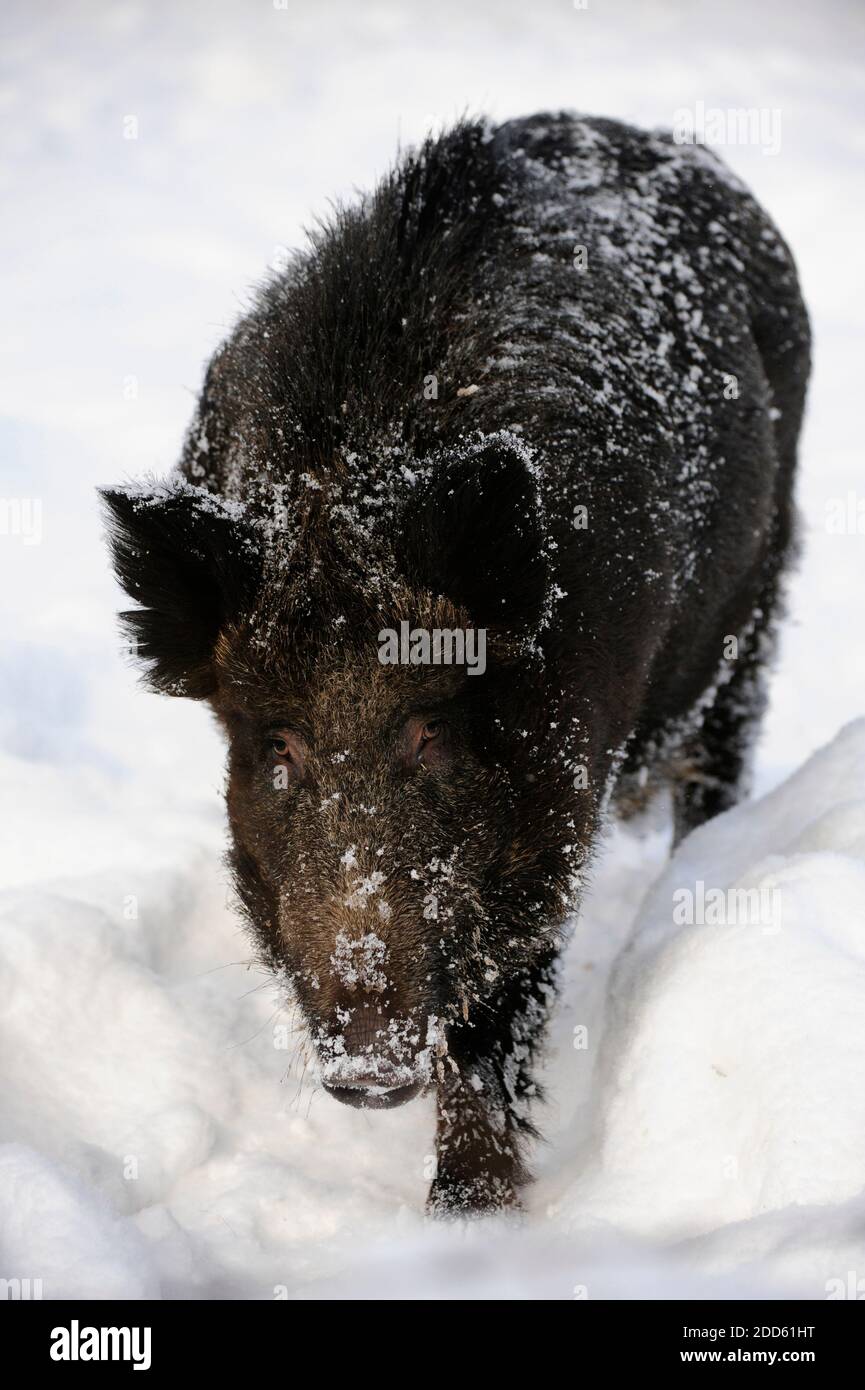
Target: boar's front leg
[(485, 1089)]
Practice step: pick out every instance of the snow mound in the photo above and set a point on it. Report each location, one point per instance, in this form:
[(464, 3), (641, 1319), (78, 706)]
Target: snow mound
[(63, 1239), (727, 1084)]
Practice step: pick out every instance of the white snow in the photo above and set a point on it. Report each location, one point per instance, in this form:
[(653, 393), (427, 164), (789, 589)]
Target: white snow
[(160, 1130)]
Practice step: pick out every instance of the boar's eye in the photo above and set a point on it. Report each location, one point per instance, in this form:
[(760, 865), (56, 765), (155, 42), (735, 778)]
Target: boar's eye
[(425, 741), (289, 751)]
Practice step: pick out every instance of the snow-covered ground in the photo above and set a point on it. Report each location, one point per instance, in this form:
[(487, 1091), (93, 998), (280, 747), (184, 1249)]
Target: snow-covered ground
[(158, 1132)]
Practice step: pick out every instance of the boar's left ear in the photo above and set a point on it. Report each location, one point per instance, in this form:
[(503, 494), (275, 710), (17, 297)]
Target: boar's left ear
[(192, 566), (473, 532)]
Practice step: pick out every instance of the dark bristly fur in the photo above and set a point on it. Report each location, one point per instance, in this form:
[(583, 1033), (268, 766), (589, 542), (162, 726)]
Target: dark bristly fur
[(407, 426)]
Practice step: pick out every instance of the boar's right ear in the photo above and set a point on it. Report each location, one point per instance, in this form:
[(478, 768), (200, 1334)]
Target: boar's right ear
[(192, 567), (473, 532)]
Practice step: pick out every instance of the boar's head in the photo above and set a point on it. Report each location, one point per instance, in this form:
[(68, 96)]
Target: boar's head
[(396, 846)]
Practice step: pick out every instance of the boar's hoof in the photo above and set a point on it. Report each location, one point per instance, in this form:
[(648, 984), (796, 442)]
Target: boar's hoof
[(461, 1196)]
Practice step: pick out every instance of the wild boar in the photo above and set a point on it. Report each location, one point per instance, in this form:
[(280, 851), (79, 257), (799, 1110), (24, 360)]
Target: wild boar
[(540, 392)]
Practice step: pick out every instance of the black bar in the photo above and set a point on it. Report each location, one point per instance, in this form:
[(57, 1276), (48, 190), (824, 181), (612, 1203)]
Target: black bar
[(229, 1337)]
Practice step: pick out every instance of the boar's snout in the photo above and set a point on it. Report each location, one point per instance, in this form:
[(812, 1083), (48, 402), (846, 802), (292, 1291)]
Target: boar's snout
[(373, 1057)]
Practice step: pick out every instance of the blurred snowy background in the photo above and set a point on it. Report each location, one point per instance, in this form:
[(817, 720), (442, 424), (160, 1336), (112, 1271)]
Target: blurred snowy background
[(153, 1138)]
